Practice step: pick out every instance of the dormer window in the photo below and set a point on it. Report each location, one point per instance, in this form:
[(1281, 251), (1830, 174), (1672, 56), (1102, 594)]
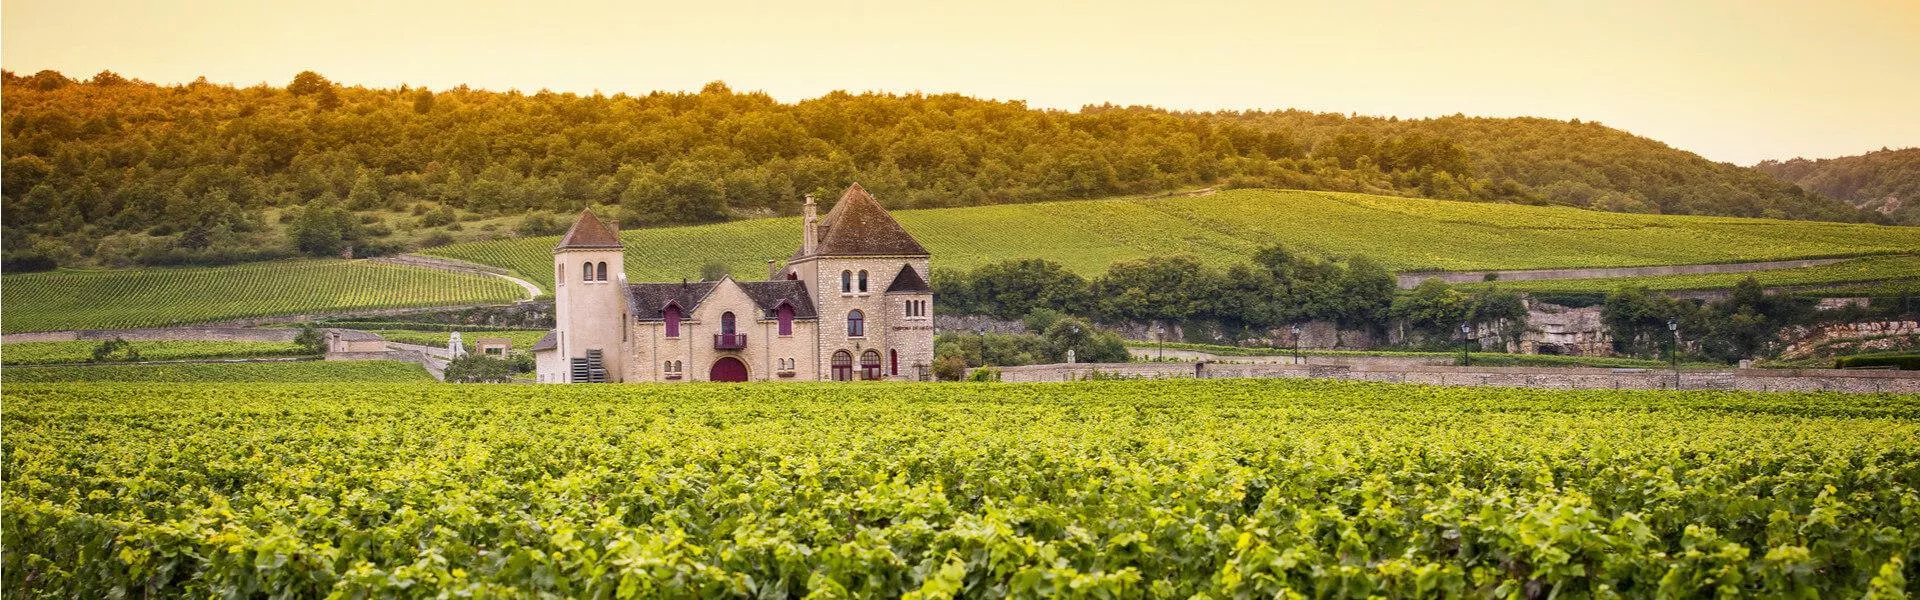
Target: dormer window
[(672, 315)]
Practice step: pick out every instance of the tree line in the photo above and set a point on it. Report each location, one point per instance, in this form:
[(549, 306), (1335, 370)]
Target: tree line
[(110, 170)]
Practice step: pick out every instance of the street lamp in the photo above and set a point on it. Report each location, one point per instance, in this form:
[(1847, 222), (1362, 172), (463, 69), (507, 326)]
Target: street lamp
[(1296, 343), (1673, 352), (1464, 330)]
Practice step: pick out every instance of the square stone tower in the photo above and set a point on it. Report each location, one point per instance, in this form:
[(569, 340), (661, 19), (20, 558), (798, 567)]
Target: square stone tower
[(867, 277), (589, 301)]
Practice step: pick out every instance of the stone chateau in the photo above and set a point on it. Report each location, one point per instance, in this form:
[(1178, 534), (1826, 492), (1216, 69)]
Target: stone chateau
[(852, 303)]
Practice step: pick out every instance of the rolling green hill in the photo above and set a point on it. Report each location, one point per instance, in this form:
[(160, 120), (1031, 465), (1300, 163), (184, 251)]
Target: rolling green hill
[(1402, 233), (115, 299)]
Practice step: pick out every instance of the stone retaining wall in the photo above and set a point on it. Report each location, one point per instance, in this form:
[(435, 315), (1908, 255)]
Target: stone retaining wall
[(1771, 380)]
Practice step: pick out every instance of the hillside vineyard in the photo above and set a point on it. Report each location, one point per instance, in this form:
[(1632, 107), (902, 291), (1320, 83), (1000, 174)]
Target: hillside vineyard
[(1104, 489), (1225, 228)]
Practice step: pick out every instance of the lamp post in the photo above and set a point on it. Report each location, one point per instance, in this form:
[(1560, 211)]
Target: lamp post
[(1296, 343), (1464, 330), (1673, 351)]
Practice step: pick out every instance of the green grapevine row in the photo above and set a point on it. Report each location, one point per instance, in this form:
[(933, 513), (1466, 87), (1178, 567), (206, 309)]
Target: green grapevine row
[(1137, 489)]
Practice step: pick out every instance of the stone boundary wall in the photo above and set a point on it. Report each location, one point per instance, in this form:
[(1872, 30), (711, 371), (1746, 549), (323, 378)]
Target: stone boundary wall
[(1759, 380), (161, 334), (1410, 280)]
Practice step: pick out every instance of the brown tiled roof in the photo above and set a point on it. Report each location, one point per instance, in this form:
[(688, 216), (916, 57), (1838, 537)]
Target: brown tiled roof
[(908, 282), (859, 226), (547, 342), (769, 294), (589, 232), (647, 300)]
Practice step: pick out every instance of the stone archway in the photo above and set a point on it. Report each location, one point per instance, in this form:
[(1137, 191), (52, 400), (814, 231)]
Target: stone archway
[(728, 369)]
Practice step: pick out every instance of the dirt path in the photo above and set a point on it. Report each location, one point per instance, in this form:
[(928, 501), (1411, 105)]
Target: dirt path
[(1410, 280)]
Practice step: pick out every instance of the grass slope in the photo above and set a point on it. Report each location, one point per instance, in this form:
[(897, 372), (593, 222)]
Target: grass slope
[(1403, 233), (1136, 489), (368, 371), (119, 299)]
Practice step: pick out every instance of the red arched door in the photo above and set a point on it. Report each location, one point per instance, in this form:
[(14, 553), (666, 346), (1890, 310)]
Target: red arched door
[(728, 369)]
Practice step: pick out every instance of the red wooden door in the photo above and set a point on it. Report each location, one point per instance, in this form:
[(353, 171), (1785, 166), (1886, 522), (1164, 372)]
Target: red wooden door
[(728, 369)]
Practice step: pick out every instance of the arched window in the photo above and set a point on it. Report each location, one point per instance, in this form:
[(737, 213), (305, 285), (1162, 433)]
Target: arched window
[(870, 364), (586, 271), (842, 365), (893, 362), (785, 314), (726, 323), (863, 281), (856, 323), (601, 272), (672, 315), (846, 281)]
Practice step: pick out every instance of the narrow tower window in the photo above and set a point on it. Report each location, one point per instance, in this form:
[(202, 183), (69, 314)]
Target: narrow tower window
[(601, 272), (586, 271), (846, 281), (863, 281)]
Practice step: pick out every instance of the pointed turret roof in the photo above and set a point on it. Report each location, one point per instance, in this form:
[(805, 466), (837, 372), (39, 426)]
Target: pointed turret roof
[(589, 232), (859, 226)]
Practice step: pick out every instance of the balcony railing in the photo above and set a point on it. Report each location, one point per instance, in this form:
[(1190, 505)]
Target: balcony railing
[(729, 341)]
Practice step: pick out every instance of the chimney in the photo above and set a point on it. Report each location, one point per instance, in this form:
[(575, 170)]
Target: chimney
[(773, 272), (809, 228)]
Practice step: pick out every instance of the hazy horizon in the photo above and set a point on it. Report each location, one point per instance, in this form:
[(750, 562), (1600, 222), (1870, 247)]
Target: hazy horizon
[(1733, 82)]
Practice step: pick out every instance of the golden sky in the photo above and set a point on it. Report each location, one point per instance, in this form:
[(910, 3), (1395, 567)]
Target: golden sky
[(1733, 81)]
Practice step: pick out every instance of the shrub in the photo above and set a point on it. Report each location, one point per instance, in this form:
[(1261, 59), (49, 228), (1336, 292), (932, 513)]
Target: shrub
[(984, 374), (115, 350), (1904, 362)]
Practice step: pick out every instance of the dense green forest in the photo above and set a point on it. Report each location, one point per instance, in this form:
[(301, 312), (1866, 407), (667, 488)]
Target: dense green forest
[(1886, 182), (111, 171)]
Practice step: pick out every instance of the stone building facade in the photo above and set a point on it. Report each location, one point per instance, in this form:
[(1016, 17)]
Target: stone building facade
[(852, 303)]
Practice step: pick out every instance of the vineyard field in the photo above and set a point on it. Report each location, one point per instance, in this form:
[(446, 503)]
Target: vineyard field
[(1118, 489), (126, 298), (1890, 274), (366, 371), (42, 353), (1223, 228)]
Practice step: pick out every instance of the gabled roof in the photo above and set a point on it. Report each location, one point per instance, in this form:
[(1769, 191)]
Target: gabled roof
[(859, 226), (589, 232), (908, 282), (647, 301), (547, 342), (769, 294)]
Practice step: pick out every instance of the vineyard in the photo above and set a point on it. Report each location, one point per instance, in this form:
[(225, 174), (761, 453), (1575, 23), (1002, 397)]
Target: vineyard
[(1164, 489), (1224, 228), (43, 353), (1889, 274), (370, 371), (119, 299)]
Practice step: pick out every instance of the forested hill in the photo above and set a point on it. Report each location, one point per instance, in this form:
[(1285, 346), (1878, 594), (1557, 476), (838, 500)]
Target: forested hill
[(181, 173), (1885, 182)]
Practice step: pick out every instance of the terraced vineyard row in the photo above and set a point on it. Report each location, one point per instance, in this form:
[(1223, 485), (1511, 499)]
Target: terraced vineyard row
[(352, 372), (1894, 273), (42, 353), (128, 298), (1141, 489), (1403, 233)]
